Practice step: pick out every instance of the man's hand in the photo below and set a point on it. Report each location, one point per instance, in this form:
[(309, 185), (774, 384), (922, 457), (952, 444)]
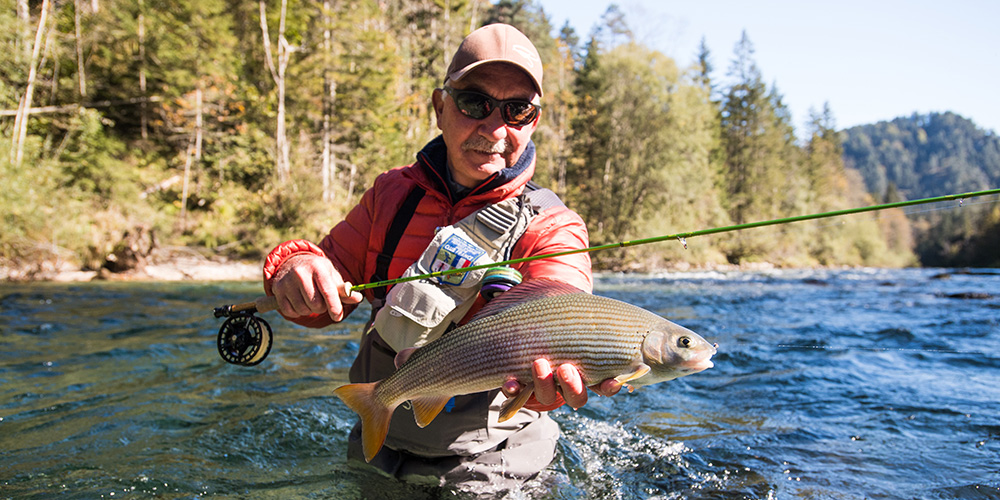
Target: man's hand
[(562, 385), (308, 284)]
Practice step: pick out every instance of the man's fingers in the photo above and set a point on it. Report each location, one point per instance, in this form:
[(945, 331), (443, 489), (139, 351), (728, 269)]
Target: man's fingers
[(573, 389), (511, 387), (545, 387), (609, 387), (308, 285), (286, 307), (349, 297)]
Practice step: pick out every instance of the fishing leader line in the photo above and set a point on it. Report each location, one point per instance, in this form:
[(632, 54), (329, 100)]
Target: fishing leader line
[(927, 210), (899, 349), (245, 339)]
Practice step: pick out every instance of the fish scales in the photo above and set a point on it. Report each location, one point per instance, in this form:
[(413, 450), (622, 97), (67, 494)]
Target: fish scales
[(538, 319), (601, 335)]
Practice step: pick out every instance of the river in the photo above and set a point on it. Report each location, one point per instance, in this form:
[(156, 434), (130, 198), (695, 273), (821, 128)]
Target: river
[(841, 384)]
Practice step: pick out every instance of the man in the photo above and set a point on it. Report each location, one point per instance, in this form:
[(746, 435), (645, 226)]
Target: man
[(487, 111)]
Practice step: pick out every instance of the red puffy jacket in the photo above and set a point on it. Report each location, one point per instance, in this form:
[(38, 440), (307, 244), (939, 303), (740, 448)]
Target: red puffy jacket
[(355, 242)]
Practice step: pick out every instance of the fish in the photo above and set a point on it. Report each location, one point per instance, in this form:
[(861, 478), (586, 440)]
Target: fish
[(539, 318)]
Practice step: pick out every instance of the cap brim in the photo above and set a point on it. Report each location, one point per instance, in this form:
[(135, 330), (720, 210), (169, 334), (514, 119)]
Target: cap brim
[(458, 75)]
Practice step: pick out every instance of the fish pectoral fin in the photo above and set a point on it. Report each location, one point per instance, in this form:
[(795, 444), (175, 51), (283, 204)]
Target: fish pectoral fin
[(640, 371), (511, 405), (426, 408), (403, 355)]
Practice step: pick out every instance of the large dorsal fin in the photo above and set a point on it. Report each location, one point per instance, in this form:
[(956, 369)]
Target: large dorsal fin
[(529, 290)]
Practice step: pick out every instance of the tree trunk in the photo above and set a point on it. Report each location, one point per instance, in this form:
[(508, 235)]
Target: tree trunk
[(446, 45), (192, 156), (350, 184), (184, 189), (329, 98), (278, 74), (20, 132), (80, 70), (141, 29), (198, 124), (24, 22)]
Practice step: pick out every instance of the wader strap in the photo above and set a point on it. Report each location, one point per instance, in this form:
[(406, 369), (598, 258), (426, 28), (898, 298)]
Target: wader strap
[(541, 198), (392, 237)]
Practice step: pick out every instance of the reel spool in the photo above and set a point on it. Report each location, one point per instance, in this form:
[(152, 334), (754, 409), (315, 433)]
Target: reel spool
[(244, 339), (498, 280)]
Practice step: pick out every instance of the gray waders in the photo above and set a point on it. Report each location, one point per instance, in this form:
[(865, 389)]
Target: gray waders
[(464, 446)]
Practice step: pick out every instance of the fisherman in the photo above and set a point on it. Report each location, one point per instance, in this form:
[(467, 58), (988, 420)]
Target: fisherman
[(442, 212)]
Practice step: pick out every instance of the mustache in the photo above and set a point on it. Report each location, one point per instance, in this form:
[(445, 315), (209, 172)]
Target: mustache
[(483, 145)]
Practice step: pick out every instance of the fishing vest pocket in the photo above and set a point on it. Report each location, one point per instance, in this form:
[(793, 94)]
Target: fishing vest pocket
[(413, 311), (417, 312)]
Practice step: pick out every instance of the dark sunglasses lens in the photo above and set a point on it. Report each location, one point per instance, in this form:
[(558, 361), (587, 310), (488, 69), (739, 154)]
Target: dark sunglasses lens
[(473, 104), (519, 112), (477, 106)]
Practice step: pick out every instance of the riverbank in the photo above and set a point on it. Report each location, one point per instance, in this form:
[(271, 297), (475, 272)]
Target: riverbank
[(189, 264), (163, 264)]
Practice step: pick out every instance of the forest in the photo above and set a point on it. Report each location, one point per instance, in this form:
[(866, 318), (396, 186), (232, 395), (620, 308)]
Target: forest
[(227, 126), (922, 156)]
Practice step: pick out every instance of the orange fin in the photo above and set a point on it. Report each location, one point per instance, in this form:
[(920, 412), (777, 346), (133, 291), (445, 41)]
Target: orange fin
[(511, 405), (625, 377), (375, 417), (428, 407)]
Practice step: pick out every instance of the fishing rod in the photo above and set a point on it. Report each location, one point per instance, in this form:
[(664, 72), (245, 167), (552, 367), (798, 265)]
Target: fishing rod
[(245, 339)]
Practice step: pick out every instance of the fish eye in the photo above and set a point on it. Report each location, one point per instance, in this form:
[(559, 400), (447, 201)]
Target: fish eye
[(684, 342)]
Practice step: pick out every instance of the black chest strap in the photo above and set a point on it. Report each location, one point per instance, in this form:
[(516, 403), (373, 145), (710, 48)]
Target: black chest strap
[(392, 237)]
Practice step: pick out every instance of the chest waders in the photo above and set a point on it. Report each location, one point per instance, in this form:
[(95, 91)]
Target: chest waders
[(414, 313)]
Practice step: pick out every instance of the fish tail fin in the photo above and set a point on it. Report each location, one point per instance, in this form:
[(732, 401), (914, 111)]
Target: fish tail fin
[(375, 417)]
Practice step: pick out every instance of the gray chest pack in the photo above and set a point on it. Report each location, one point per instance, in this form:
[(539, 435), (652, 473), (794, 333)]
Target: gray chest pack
[(417, 312)]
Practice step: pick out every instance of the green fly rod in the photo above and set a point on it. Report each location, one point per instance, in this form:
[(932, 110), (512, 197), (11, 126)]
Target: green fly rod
[(683, 236), (242, 330)]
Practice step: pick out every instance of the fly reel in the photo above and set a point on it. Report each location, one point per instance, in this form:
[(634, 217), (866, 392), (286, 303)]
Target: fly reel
[(244, 339), (498, 280)]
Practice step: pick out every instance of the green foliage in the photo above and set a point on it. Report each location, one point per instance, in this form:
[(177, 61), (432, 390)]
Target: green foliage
[(924, 155), (930, 155), (762, 172), (628, 178), (67, 205), (637, 145)]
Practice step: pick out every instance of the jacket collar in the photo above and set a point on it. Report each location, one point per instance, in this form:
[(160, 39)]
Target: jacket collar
[(434, 156)]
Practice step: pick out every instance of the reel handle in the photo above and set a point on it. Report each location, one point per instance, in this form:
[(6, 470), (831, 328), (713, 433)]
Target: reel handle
[(261, 304)]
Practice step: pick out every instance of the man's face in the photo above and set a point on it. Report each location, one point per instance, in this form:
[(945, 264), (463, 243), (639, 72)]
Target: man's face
[(479, 148)]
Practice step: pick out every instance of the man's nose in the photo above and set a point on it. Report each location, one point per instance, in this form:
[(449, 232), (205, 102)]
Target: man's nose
[(493, 127)]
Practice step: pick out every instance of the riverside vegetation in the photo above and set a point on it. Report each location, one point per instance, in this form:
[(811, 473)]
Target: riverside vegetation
[(229, 126)]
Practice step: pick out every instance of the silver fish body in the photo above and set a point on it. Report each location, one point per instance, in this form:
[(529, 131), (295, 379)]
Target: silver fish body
[(604, 338)]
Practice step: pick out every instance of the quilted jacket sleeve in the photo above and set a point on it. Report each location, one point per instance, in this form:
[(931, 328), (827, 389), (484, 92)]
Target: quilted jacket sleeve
[(556, 230), (345, 246)]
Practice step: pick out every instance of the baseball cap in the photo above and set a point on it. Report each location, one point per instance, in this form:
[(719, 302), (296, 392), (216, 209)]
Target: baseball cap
[(496, 43)]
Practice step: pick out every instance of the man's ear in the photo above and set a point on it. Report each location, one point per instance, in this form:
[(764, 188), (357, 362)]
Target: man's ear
[(437, 99)]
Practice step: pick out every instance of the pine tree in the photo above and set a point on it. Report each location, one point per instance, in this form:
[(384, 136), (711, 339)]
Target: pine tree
[(761, 173)]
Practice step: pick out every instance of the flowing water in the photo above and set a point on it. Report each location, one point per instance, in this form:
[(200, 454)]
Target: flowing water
[(828, 384)]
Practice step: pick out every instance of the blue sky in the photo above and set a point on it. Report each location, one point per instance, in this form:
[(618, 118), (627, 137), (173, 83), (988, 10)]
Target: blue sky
[(870, 60)]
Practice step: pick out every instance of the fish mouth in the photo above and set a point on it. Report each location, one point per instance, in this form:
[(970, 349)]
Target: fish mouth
[(700, 363), (697, 365)]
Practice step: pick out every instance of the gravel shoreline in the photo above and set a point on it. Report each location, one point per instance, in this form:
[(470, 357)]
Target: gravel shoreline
[(168, 266)]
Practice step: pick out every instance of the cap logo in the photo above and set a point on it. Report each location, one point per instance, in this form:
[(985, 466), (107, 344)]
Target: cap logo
[(526, 53)]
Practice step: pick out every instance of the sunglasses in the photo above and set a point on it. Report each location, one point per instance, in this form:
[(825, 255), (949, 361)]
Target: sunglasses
[(477, 105)]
